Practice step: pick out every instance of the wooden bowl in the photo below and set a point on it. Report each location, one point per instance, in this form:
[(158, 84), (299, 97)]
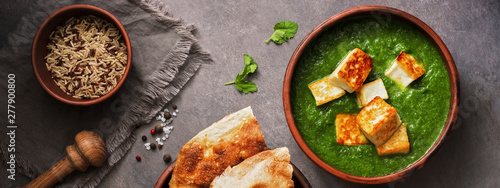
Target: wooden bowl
[(39, 50), (298, 178), (423, 28)]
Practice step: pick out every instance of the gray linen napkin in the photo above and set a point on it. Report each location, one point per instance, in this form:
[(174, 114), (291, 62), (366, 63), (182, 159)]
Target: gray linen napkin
[(165, 56)]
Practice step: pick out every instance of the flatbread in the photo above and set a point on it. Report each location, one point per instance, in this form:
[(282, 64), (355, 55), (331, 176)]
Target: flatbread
[(225, 143), (269, 168)]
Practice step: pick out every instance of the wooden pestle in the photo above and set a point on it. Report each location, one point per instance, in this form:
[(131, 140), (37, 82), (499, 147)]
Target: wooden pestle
[(89, 149)]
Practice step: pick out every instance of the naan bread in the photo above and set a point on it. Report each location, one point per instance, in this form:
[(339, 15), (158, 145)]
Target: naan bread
[(269, 168), (225, 143)]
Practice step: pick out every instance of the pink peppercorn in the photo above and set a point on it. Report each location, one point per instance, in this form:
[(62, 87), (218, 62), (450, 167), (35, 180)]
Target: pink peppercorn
[(138, 158), (153, 132)]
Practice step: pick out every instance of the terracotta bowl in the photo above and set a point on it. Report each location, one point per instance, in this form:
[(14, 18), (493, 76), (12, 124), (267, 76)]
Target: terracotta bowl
[(39, 50), (396, 14), (298, 178)]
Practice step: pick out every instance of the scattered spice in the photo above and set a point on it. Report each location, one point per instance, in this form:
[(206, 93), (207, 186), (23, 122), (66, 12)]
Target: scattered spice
[(167, 115), (158, 129), (167, 158), (148, 146), (167, 130), (165, 118), (138, 158), (158, 140)]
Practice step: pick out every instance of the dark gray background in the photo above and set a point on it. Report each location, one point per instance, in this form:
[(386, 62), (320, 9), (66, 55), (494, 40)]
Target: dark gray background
[(228, 29)]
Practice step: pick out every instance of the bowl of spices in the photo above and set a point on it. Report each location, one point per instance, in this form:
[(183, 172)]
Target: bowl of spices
[(81, 54)]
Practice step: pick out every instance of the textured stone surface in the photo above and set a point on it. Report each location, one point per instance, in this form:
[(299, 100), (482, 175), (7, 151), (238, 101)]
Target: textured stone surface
[(228, 29)]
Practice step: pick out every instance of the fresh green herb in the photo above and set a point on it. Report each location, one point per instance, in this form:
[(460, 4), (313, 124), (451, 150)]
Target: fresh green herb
[(242, 85), (283, 30)]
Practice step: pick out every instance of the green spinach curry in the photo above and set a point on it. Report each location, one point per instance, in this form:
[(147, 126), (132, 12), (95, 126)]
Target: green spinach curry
[(423, 105)]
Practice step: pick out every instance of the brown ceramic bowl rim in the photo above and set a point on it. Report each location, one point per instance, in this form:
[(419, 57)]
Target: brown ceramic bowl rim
[(67, 10), (297, 176), (417, 24)]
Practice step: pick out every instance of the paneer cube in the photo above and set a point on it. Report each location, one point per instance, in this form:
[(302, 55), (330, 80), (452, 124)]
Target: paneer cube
[(348, 132), (352, 71), (378, 121), (397, 144), (405, 69), (370, 90), (324, 91)]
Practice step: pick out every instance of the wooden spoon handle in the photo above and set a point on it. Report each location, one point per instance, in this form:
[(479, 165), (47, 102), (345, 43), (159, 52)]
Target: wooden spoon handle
[(55, 174)]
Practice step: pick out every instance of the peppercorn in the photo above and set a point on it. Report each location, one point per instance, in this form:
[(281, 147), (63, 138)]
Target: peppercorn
[(167, 158), (153, 146), (160, 146), (167, 115), (158, 128), (153, 132), (174, 107), (138, 158), (144, 138)]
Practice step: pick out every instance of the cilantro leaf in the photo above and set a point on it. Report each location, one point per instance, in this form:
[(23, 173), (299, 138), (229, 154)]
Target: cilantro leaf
[(245, 86), (283, 30), (250, 65)]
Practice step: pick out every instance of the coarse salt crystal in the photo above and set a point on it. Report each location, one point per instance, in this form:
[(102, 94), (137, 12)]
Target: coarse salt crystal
[(174, 114), (147, 145), (169, 121), (177, 110), (168, 129), (164, 138)]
